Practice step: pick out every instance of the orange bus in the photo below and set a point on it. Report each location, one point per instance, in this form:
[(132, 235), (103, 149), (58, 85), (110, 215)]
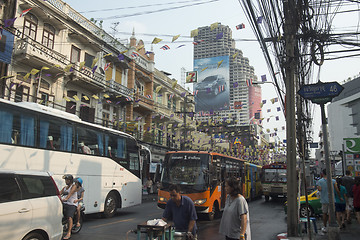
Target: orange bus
[(201, 176)]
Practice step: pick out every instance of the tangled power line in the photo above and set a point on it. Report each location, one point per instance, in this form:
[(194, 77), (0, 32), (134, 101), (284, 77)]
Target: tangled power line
[(317, 38)]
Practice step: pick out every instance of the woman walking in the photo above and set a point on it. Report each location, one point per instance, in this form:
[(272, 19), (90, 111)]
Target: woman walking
[(235, 222), (340, 203)]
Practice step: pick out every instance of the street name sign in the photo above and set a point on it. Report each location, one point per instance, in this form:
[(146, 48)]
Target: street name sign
[(321, 92)]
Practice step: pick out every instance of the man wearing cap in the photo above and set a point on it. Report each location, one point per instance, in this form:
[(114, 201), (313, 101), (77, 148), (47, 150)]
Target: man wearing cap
[(69, 204)]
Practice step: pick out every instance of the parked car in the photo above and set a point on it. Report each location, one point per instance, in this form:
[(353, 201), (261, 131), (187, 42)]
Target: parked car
[(211, 85), (314, 204), (30, 206)]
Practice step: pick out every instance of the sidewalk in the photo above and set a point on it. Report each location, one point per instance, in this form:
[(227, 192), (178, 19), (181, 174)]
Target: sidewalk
[(351, 232)]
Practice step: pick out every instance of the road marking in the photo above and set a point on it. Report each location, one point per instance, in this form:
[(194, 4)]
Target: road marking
[(106, 224)]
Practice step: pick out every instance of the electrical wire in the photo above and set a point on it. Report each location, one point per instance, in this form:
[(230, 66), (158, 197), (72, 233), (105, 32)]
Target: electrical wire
[(141, 6), (315, 19), (156, 11)]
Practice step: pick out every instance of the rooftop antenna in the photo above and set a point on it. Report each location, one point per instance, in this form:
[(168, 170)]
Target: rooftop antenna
[(113, 27)]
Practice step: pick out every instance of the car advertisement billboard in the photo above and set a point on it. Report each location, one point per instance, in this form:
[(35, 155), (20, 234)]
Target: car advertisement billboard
[(212, 89)]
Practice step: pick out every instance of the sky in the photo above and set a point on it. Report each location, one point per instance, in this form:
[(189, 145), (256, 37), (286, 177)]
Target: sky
[(181, 21)]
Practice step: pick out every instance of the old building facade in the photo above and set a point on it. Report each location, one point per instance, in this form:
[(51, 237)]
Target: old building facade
[(61, 59)]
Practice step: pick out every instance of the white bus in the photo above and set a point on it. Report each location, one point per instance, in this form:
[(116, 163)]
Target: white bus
[(36, 137)]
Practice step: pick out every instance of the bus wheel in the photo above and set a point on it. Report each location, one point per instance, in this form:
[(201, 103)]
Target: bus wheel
[(110, 205), (267, 198), (211, 215)]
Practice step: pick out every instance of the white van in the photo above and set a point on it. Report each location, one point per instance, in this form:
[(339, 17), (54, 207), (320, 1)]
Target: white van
[(30, 206)]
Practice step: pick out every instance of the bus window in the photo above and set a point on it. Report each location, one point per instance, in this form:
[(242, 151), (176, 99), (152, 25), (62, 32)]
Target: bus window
[(27, 130), (90, 141), (116, 149), (6, 127), (186, 169), (45, 141), (133, 154), (66, 138), (21, 128), (55, 134), (121, 148), (107, 149), (134, 161)]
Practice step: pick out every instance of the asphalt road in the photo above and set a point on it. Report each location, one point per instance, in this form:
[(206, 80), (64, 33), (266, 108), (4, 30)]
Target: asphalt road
[(267, 219)]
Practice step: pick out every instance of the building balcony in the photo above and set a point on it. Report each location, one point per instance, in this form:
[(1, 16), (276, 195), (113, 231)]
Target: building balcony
[(86, 78), (115, 88), (27, 50), (143, 103), (164, 111)]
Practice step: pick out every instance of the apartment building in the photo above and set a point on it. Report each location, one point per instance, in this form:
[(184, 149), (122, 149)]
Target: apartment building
[(57, 57), (236, 97), (63, 60), (344, 115)]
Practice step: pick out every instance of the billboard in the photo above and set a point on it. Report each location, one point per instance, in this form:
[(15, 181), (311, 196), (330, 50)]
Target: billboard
[(212, 89), (191, 77)]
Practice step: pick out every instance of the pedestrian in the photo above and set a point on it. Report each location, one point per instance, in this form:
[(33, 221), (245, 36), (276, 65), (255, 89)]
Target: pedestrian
[(348, 181), (181, 210), (356, 195), (340, 203), (149, 184), (324, 198), (235, 221)]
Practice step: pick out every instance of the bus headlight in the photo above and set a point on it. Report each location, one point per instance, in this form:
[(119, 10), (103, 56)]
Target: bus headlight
[(199, 201), (162, 199)]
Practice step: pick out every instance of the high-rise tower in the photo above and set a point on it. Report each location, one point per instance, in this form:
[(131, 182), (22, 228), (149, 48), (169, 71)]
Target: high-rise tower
[(225, 78)]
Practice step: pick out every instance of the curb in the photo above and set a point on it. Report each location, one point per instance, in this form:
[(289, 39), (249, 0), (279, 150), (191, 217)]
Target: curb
[(282, 236)]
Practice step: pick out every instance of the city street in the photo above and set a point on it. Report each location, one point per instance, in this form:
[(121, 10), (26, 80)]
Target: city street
[(267, 220)]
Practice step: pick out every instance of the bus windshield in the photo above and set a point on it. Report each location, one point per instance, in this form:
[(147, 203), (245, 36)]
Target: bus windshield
[(186, 169), (275, 175)]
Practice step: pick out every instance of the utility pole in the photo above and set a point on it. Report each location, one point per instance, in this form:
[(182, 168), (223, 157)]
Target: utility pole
[(212, 132), (182, 146), (185, 128), (290, 30), (333, 228)]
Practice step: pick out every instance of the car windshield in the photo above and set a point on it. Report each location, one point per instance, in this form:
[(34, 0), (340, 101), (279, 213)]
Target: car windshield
[(209, 79), (185, 169), (275, 175)]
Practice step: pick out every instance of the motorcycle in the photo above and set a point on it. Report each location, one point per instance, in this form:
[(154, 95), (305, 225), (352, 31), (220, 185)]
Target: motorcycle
[(74, 229)]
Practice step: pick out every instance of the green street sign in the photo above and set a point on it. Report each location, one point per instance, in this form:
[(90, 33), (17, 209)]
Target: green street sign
[(352, 145)]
